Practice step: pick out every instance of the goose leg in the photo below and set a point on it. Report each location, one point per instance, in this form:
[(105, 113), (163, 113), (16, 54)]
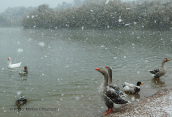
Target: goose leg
[(107, 112), (110, 110)]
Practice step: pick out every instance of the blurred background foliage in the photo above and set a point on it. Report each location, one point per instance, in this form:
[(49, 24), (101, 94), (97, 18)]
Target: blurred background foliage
[(97, 14)]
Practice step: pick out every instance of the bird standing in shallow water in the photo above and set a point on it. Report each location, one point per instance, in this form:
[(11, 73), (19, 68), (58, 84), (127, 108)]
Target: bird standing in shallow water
[(161, 71), (131, 88)]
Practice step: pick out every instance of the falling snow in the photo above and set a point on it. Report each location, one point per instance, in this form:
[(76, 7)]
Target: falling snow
[(18, 93), (107, 1), (156, 105), (20, 50), (119, 20), (77, 98), (41, 44)]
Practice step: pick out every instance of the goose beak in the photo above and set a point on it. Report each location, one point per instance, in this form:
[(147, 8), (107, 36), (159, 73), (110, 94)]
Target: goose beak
[(106, 66), (168, 59), (8, 58), (97, 69), (142, 84)]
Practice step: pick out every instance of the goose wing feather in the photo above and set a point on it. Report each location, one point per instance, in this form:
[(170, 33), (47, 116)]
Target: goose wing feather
[(130, 85), (113, 96)]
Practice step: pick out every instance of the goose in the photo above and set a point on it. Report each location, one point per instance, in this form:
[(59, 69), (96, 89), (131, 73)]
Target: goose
[(24, 72), (21, 101), (131, 88), (110, 95), (161, 71), (113, 85), (13, 65)]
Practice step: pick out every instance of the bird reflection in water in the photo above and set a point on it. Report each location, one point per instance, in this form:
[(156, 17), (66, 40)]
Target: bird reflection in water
[(158, 81)]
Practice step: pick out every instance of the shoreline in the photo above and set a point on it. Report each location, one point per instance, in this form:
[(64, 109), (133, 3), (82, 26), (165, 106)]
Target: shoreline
[(159, 104)]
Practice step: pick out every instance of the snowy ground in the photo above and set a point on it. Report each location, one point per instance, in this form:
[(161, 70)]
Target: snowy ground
[(158, 105)]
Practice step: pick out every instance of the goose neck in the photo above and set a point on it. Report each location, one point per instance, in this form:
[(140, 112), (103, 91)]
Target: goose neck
[(163, 63)]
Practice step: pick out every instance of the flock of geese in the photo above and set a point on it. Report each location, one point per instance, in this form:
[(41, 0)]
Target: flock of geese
[(21, 101), (111, 93)]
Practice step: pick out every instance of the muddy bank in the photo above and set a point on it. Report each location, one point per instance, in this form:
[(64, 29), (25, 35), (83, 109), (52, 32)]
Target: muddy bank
[(159, 104)]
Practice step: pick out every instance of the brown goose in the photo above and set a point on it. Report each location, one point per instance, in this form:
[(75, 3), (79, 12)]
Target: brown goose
[(110, 95), (160, 72), (110, 81)]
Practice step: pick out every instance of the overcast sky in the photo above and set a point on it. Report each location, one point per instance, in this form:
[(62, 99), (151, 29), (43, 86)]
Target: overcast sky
[(4, 4)]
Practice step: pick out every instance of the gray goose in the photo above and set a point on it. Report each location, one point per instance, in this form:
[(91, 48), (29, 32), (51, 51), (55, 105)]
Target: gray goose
[(110, 82), (110, 95), (161, 71)]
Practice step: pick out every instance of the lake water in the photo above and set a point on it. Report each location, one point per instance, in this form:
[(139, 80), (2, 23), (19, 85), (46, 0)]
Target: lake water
[(61, 65)]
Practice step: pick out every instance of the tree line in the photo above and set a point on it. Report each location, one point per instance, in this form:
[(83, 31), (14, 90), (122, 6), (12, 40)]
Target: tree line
[(16, 12), (106, 14), (14, 16)]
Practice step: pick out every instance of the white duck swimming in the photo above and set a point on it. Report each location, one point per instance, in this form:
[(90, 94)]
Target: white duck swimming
[(13, 65), (131, 88)]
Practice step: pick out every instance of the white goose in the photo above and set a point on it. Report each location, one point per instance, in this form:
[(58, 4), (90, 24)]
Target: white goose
[(13, 65)]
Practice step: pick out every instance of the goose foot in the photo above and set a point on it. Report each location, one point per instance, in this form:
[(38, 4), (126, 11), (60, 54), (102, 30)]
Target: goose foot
[(107, 112)]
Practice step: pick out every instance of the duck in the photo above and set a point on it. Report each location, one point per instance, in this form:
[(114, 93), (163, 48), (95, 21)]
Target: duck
[(21, 101), (110, 95), (161, 71), (110, 82), (13, 65), (24, 72), (131, 88)]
